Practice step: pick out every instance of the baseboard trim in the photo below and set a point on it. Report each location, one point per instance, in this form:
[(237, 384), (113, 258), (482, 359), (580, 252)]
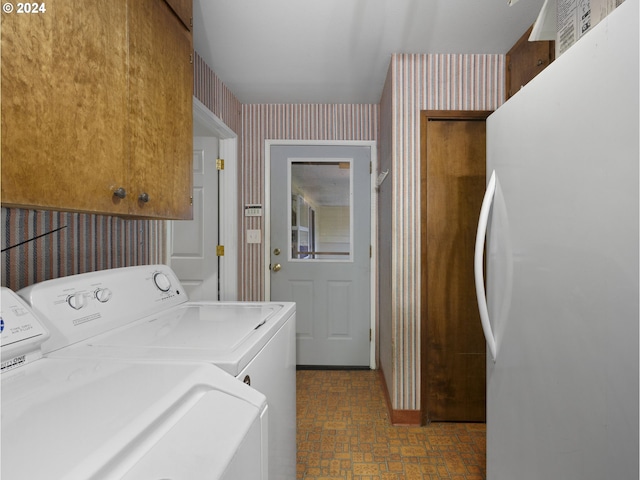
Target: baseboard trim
[(399, 417)]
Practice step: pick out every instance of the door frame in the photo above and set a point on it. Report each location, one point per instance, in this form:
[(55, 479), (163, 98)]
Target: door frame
[(373, 264), (207, 124)]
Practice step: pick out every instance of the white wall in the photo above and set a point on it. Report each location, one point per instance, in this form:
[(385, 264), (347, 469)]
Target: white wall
[(333, 232)]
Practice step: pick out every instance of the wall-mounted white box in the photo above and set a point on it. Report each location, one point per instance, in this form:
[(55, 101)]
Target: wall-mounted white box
[(254, 236)]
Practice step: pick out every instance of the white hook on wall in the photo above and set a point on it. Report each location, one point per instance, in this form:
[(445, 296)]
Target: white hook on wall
[(381, 177)]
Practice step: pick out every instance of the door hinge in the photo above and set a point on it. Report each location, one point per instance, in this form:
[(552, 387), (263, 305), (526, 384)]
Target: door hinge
[(370, 334), (191, 58), (370, 251), (220, 250), (220, 163), (370, 168), (191, 200)]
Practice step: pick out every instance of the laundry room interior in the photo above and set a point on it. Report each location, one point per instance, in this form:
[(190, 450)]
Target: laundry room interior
[(168, 203)]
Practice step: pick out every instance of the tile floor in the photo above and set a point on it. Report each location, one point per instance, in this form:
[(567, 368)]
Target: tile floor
[(344, 433)]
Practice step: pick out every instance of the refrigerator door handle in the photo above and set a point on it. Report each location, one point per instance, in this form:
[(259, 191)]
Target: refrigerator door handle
[(478, 264)]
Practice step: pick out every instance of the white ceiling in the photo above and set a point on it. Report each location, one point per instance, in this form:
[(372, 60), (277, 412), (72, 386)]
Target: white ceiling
[(338, 51), (322, 184)]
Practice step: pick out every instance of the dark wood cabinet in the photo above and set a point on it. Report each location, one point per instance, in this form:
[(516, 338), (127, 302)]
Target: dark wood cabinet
[(525, 60), (184, 10)]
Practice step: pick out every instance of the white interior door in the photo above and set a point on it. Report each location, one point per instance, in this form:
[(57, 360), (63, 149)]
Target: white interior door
[(320, 214), (193, 242)]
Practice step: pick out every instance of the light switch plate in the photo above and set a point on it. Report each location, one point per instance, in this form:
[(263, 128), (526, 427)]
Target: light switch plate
[(253, 236)]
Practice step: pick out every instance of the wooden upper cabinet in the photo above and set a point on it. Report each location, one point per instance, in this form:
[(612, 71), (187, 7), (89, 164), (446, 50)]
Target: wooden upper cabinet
[(525, 60), (64, 107), (184, 10), (161, 86), (95, 98)]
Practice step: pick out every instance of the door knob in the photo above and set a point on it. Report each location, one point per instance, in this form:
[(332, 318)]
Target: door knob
[(277, 267)]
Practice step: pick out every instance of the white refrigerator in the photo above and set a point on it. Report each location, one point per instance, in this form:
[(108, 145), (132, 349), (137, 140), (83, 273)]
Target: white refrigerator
[(561, 261)]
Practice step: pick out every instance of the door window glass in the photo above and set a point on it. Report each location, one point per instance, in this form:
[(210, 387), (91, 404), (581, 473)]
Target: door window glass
[(321, 194)]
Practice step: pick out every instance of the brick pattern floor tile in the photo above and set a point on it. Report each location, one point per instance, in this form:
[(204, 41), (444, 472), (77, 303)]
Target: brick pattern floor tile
[(344, 433)]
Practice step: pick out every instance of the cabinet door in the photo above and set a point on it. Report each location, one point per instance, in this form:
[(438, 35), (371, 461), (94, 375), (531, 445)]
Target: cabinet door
[(161, 121), (183, 9), (525, 60), (64, 98)]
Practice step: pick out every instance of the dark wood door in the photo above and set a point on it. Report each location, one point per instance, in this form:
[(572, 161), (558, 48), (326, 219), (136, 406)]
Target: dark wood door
[(453, 184)]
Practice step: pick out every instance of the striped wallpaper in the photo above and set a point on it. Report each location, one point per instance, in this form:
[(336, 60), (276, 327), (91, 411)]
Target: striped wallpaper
[(71, 243), (286, 122), (420, 82), (209, 89)]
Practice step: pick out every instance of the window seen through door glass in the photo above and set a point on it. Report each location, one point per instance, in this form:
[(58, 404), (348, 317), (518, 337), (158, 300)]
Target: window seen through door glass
[(321, 210)]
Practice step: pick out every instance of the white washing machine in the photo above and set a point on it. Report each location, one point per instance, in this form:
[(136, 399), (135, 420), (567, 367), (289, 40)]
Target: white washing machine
[(142, 313), (112, 419)]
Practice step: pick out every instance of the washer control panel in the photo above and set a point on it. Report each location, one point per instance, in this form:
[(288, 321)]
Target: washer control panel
[(82, 306)]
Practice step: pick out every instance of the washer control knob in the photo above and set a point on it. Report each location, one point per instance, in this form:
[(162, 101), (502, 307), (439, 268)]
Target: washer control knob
[(162, 281), (76, 301), (103, 295)]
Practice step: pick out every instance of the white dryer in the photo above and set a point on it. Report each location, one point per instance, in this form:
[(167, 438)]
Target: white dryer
[(143, 313), (112, 419)]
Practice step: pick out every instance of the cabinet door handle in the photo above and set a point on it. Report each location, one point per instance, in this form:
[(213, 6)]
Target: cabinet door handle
[(143, 197), (120, 192)]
